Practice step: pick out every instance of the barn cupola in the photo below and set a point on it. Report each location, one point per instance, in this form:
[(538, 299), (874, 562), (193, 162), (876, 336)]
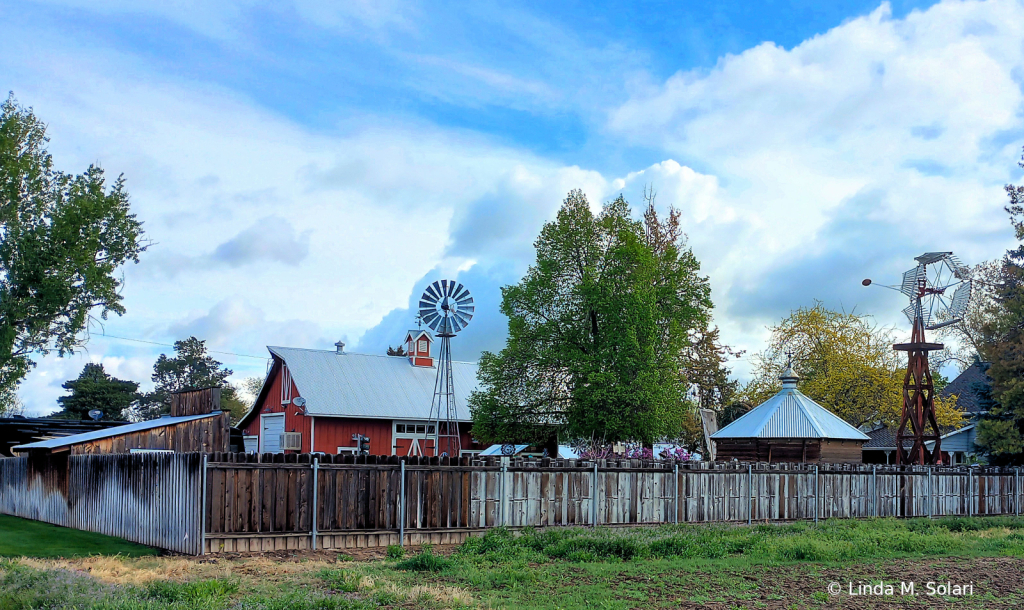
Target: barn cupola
[(419, 345)]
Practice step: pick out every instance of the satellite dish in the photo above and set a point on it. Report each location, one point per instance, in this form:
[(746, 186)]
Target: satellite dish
[(446, 307), (96, 414), (299, 401)]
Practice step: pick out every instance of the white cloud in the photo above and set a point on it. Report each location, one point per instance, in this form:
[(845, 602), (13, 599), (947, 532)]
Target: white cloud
[(897, 131), (798, 172)]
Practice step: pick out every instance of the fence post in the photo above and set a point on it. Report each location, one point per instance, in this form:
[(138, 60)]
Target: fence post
[(815, 493), (593, 497), (1016, 492), (970, 492), (750, 493), (316, 472), (675, 487), (202, 512), (501, 500), (874, 491), (401, 507), (930, 500)]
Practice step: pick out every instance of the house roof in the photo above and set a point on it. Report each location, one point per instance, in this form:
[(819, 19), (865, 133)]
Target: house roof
[(371, 386), (790, 414), (85, 437), (965, 388), (415, 334), (884, 439), (16, 431)]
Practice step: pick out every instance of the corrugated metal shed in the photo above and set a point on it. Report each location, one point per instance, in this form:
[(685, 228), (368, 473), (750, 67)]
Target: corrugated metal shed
[(363, 385), (790, 414), (74, 439)]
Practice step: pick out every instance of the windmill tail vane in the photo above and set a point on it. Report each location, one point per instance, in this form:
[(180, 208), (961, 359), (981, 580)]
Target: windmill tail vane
[(931, 307)]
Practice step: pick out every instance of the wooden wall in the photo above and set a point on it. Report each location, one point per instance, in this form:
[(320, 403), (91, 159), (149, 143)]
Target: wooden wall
[(276, 501), (151, 499), (295, 419), (195, 402), (359, 501), (203, 435), (785, 450)]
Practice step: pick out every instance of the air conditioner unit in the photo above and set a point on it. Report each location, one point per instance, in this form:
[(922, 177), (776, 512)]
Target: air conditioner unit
[(291, 441)]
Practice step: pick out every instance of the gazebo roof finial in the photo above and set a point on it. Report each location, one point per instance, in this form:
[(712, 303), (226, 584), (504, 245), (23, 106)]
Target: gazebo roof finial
[(788, 377)]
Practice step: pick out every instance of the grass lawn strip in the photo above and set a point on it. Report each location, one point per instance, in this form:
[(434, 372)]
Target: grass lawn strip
[(718, 566), (26, 538)]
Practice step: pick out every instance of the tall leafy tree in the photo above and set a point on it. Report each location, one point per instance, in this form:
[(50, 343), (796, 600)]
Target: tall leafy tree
[(846, 364), (1001, 431), (190, 368), (62, 238), (95, 389), (10, 403), (597, 332)]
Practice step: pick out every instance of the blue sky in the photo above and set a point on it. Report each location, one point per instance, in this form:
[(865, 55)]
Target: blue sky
[(305, 168)]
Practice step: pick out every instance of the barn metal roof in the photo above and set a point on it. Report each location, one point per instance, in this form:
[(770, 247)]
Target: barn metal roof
[(85, 437), (364, 385), (790, 414)]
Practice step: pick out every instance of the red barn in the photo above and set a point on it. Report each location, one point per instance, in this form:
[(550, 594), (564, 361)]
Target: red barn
[(326, 397)]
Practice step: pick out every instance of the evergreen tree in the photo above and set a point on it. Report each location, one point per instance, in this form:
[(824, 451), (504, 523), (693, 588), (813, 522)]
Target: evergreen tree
[(1001, 431), (95, 389), (191, 368)]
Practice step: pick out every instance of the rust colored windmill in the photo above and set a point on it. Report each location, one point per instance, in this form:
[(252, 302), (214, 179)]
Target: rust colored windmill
[(939, 290)]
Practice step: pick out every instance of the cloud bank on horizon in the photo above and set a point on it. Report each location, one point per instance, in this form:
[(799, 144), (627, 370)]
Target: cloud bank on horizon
[(303, 184)]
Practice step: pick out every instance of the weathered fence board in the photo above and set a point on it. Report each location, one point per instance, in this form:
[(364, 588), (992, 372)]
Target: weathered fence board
[(152, 499), (270, 502), (359, 501)]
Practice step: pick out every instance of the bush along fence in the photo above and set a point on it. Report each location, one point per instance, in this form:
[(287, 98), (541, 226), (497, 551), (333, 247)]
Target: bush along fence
[(147, 498), (253, 503)]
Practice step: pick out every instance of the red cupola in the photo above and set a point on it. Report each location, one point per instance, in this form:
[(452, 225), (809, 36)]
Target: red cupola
[(418, 344)]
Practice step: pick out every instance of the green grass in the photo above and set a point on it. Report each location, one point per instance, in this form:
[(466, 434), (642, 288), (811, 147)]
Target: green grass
[(26, 538), (672, 566)]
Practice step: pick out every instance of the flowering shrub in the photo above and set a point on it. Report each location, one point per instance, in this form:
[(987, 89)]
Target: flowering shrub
[(606, 452), (678, 454)]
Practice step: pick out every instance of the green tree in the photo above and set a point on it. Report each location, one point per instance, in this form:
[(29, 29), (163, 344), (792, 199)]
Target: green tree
[(597, 332), (1001, 430), (396, 351), (95, 389), (190, 368), (846, 364), (10, 403), (62, 238)]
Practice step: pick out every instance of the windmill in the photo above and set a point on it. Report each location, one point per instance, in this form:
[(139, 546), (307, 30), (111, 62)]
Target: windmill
[(939, 291), (446, 307)]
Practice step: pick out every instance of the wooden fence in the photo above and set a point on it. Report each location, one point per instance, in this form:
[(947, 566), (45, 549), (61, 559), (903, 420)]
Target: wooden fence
[(152, 499), (274, 501)]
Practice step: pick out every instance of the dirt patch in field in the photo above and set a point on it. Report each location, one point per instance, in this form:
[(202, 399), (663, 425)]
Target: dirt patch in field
[(998, 582)]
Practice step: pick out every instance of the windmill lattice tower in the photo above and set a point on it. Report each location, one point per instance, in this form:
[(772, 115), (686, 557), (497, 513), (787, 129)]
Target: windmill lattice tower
[(927, 285), (445, 307)]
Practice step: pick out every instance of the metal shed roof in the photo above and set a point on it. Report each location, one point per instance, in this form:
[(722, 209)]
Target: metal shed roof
[(790, 414), (85, 437), (364, 385)]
